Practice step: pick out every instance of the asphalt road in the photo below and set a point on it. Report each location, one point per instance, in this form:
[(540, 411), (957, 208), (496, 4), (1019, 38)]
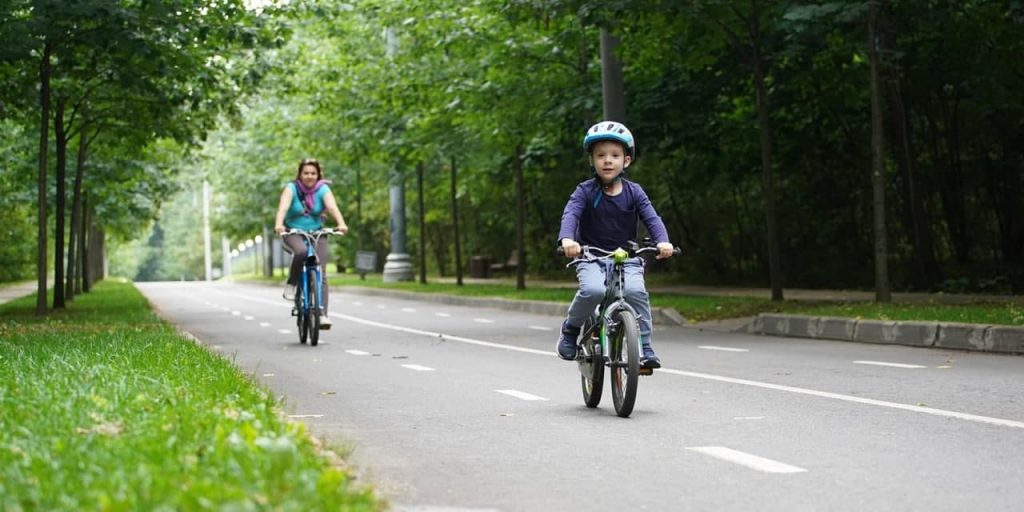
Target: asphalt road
[(449, 408)]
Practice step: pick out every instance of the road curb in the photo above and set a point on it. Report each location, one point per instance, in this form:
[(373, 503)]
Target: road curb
[(973, 337), (659, 316)]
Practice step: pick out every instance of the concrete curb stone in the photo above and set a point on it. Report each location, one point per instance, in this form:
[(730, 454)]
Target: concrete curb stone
[(974, 337)]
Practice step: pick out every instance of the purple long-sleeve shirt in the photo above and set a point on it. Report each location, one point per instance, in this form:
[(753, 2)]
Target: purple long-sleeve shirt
[(613, 222)]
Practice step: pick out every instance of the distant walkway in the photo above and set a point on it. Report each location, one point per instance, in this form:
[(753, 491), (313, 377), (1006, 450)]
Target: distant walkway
[(765, 293), (17, 290)]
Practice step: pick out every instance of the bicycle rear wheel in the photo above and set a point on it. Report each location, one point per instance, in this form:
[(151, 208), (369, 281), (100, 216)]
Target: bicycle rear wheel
[(314, 312), (624, 353), (591, 365)]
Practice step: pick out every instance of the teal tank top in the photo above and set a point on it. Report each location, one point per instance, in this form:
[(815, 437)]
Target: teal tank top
[(295, 219)]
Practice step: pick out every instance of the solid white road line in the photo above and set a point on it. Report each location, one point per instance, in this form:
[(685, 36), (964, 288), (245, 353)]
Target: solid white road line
[(746, 459), (723, 349), (358, 352), (520, 395), (418, 367), (892, 365), (719, 378)]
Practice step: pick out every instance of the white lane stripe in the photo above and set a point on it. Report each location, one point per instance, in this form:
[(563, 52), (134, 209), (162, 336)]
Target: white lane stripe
[(855, 399), (520, 395), (418, 367), (764, 385), (358, 352), (540, 328), (299, 416), (409, 310), (723, 349), (284, 331), (892, 365), (483, 320), (247, 317), (357, 303), (264, 324), (236, 313), (443, 315), (746, 459)]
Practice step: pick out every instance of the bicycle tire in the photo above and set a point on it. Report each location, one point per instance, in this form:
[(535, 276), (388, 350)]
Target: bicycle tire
[(624, 352), (314, 311), (302, 315), (591, 366)]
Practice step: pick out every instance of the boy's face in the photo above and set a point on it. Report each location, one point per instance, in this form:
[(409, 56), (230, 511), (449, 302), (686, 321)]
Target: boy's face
[(609, 158)]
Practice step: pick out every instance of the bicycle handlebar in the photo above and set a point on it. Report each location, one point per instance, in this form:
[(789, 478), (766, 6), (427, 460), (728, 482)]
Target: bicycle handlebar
[(587, 250)]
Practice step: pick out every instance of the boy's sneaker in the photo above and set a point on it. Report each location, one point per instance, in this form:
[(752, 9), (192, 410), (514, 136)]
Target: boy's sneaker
[(650, 359), (325, 323), (566, 346)]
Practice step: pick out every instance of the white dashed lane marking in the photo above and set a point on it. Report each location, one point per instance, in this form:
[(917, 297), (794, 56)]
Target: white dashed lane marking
[(409, 310), (723, 349), (358, 352), (247, 317), (443, 315), (746, 459), (540, 328), (520, 395), (236, 313), (891, 365), (264, 324), (284, 331), (418, 368), (483, 320)]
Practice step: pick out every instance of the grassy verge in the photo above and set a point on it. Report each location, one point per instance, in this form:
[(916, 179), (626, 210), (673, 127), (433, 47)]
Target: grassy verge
[(699, 308), (105, 407)]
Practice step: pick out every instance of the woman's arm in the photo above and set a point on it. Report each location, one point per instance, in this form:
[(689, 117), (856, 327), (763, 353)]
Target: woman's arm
[(282, 209), (332, 206)]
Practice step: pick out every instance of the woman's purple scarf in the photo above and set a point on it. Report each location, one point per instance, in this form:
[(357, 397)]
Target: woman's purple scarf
[(306, 193)]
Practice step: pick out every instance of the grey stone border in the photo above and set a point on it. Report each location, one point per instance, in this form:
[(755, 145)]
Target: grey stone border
[(975, 337)]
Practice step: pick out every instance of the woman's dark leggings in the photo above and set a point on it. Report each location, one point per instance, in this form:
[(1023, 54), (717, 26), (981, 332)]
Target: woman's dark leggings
[(297, 246)]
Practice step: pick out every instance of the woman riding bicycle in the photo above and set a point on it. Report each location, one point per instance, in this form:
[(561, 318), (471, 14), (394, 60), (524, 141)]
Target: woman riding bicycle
[(302, 207), (603, 212)]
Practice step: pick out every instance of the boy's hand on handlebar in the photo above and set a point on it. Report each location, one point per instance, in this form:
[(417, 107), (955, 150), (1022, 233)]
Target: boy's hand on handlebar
[(665, 250), (570, 248)]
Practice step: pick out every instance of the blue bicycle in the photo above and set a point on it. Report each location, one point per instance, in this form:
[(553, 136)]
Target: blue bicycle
[(309, 292)]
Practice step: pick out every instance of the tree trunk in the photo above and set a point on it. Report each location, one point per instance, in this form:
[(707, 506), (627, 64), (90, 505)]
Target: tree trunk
[(882, 293), (767, 176), (520, 220), (423, 224), (44, 133), (613, 92), (74, 252), (455, 228), (87, 236), (60, 137)]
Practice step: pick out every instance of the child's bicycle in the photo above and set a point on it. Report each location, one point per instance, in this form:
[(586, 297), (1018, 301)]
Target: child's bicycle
[(611, 336), (309, 292)]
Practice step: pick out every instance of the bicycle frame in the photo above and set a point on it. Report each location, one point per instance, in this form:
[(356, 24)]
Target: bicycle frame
[(613, 301), (311, 265)]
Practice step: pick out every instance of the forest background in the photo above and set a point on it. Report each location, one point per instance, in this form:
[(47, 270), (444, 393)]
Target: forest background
[(753, 121)]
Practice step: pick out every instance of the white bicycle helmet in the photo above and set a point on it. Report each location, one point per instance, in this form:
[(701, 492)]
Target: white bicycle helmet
[(610, 130)]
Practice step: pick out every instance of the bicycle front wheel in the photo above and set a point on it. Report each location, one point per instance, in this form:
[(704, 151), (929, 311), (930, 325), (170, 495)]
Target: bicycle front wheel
[(624, 348), (301, 313), (314, 311), (591, 365)]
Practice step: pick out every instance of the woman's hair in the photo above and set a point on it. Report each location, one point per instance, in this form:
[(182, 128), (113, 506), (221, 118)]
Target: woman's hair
[(314, 163)]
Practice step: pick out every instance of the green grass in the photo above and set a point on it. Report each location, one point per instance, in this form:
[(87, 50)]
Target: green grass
[(699, 308), (105, 407)]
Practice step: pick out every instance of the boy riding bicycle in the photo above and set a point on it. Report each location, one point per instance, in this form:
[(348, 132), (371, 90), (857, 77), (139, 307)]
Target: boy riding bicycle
[(603, 212)]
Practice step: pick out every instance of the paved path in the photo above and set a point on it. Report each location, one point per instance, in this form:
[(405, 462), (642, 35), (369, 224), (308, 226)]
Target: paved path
[(17, 291)]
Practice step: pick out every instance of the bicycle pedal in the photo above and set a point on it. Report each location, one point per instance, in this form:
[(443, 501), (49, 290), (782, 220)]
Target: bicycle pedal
[(646, 371)]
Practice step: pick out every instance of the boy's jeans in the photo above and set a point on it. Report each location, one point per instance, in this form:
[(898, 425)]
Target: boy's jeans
[(593, 283)]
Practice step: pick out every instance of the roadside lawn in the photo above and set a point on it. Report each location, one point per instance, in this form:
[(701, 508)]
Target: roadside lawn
[(106, 407)]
